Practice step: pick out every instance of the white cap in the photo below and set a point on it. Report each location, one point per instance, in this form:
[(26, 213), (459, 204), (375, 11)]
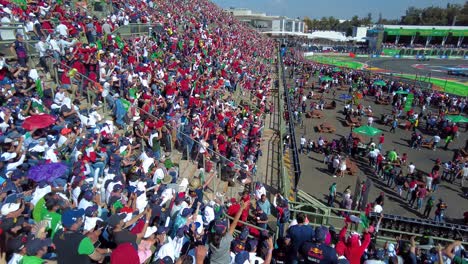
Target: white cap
[(8, 156), (10, 208), (149, 231)]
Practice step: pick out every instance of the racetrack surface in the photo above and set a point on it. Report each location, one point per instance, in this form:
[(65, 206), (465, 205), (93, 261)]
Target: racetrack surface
[(435, 67)]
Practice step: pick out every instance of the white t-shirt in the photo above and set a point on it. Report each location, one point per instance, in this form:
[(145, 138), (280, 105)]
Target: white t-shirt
[(465, 171), (378, 208), (411, 168), (303, 141), (62, 30)]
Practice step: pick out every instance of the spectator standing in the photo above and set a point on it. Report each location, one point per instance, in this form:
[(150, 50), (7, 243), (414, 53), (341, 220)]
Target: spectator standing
[(299, 234), (19, 48), (332, 194)]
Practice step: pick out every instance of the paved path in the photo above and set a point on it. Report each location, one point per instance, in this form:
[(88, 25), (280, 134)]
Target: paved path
[(315, 179)]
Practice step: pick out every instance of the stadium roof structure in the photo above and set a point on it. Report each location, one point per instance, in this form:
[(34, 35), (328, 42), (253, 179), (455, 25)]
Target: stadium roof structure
[(329, 35), (433, 31)]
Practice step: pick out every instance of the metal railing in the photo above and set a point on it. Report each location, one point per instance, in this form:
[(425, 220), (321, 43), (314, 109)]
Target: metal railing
[(329, 216), (291, 129), (284, 174)]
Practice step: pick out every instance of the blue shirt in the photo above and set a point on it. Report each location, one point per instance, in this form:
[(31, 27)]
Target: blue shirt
[(299, 234), (266, 206)]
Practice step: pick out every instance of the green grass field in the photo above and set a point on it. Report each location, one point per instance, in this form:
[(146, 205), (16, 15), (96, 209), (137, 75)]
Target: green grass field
[(452, 87), (337, 61)]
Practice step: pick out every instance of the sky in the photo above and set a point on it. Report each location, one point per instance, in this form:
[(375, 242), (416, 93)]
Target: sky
[(341, 9)]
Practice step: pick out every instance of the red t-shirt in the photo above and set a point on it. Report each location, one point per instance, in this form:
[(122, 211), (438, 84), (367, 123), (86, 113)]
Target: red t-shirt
[(124, 253)]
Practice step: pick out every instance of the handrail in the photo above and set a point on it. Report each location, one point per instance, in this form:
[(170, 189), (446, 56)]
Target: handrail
[(297, 164), (392, 239), (285, 187)]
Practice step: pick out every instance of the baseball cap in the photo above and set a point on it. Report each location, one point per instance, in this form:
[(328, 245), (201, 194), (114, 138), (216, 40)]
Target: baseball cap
[(219, 227), (34, 245), (161, 230), (252, 244), (88, 195), (10, 208), (321, 233), (117, 187), (186, 212), (244, 234), (70, 217), (150, 230), (115, 219), (91, 210), (18, 243), (242, 257)]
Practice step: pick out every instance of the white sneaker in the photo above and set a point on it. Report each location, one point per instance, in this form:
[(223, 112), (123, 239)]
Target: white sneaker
[(334, 176)]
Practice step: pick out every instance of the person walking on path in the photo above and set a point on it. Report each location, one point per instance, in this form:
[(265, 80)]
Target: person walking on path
[(332, 194), (394, 125), (428, 208)]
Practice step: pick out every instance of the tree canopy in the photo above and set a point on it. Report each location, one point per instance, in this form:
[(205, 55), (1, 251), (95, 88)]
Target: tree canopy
[(452, 14)]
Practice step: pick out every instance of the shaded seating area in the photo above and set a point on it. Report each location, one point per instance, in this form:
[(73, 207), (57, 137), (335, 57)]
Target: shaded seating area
[(326, 128), (351, 167), (315, 114), (353, 121)]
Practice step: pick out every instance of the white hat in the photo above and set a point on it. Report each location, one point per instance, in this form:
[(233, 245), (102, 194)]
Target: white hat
[(10, 208), (149, 231), (8, 156)]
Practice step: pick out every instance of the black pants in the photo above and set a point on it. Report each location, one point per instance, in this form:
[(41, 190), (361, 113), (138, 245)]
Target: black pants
[(43, 63), (427, 211)]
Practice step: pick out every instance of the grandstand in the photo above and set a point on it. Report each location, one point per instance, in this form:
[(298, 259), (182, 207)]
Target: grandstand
[(444, 41)]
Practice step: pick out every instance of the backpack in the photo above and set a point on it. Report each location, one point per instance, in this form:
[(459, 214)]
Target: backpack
[(285, 216)]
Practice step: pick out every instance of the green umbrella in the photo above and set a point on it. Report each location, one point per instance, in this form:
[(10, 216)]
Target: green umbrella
[(457, 119), (380, 83), (326, 79), (336, 69), (367, 131), (401, 92)]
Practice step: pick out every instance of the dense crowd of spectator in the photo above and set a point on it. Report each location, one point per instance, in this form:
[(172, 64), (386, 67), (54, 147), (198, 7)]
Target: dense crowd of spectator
[(78, 186)]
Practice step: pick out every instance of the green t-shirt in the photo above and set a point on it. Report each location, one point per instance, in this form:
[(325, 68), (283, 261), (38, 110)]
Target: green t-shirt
[(54, 221), (332, 189), (86, 247), (31, 260), (392, 156), (459, 260), (39, 210)]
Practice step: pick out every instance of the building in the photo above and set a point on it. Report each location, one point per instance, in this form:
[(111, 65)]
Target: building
[(425, 35), (265, 23)]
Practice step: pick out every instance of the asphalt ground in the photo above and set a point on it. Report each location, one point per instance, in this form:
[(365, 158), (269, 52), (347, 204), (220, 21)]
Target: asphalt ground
[(315, 179), (433, 67)]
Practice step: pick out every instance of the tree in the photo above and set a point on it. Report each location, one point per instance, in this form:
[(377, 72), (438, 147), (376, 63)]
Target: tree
[(462, 19), (453, 13), (412, 16), (355, 22), (308, 23), (379, 21), (434, 16)]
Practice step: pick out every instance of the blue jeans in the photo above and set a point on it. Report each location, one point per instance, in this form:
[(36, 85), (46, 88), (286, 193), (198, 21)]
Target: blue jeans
[(419, 203), (280, 228)]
